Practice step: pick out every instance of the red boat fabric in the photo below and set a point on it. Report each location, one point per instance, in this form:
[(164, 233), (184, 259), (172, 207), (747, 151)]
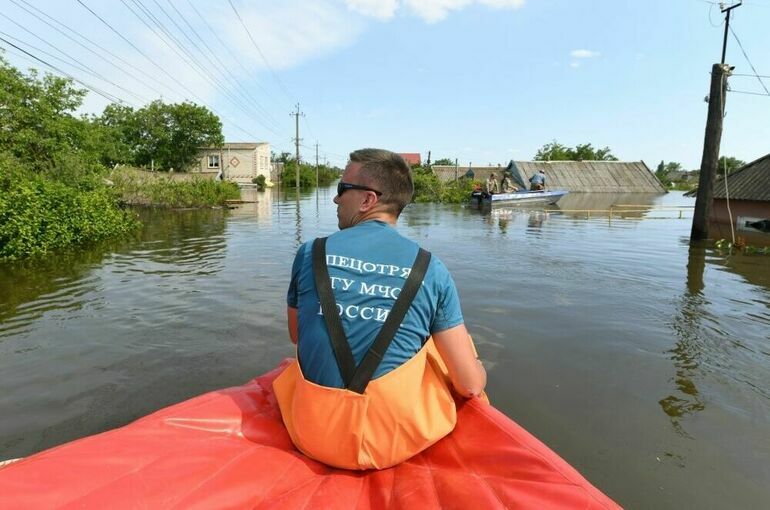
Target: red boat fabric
[(229, 449)]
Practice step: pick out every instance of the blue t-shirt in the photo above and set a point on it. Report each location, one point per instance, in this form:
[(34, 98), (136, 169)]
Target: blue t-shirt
[(368, 264)]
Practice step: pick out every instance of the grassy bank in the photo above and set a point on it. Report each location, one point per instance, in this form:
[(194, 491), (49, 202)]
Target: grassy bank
[(158, 189)]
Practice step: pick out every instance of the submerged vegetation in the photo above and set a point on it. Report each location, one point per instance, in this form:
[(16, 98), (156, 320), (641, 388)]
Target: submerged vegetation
[(39, 214), (428, 188), (138, 187), (741, 246)]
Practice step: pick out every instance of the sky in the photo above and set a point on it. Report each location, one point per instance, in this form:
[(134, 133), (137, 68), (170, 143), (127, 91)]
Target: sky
[(480, 81)]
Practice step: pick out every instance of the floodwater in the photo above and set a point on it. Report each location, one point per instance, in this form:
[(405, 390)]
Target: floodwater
[(645, 363)]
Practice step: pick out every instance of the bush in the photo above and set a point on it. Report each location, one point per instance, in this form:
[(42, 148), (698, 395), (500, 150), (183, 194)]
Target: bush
[(428, 188), (39, 214), (260, 182), (307, 176), (137, 187)]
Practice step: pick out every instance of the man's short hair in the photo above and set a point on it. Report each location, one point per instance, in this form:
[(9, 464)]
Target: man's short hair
[(388, 173)]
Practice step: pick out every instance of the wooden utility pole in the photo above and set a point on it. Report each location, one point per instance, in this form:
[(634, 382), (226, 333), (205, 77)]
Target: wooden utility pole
[(711, 141), (297, 139), (316, 164)]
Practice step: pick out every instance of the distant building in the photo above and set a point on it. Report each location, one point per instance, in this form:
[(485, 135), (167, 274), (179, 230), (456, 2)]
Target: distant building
[(237, 162), (575, 176), (411, 158)]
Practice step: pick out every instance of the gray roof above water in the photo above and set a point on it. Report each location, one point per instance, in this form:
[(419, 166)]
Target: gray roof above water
[(592, 176)]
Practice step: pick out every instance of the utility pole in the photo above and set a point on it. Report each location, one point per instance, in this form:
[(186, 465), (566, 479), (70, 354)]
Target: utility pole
[(297, 139), (712, 140), (316, 164)]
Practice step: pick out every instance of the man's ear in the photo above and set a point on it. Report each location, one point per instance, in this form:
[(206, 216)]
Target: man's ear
[(369, 202)]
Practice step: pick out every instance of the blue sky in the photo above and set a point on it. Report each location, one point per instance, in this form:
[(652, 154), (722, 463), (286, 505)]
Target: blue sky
[(483, 81)]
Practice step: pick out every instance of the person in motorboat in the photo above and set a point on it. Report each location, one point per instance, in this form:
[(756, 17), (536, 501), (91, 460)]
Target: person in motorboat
[(492, 186), (506, 185), (537, 181), (381, 340)]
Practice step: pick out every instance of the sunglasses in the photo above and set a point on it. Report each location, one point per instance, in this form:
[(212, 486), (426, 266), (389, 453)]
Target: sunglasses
[(342, 187)]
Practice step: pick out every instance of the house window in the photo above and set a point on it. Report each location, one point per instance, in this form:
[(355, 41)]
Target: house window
[(213, 160)]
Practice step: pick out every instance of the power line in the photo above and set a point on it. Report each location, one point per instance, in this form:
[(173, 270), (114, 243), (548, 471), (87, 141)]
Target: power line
[(137, 49), (227, 50), (751, 75), (194, 64), (245, 93), (749, 61), (104, 94), (105, 50), (193, 94), (248, 32), (71, 61), (750, 93)]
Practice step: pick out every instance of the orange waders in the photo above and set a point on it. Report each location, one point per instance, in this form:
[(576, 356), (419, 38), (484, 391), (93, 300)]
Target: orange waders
[(369, 423)]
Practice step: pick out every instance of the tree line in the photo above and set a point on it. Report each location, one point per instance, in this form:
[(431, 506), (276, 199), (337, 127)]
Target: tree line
[(55, 186)]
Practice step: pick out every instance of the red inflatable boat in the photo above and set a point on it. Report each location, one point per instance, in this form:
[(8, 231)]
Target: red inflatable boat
[(229, 449)]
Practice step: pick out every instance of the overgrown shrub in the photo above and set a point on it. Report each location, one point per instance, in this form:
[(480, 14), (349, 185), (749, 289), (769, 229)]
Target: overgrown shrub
[(260, 182), (137, 187), (307, 175), (428, 188), (39, 214)]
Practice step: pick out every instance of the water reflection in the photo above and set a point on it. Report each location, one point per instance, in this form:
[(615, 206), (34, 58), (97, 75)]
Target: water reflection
[(686, 352), (31, 288), (257, 205)]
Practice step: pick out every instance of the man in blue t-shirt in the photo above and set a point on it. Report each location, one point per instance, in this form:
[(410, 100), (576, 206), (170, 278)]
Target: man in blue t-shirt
[(368, 263), (537, 181)]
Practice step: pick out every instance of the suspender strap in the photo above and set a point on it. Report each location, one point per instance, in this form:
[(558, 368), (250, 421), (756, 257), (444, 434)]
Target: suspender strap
[(342, 352), (357, 379), (376, 352)]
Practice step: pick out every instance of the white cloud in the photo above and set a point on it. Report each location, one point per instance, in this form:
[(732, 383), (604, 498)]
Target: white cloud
[(380, 9), (317, 28), (431, 11), (584, 54)]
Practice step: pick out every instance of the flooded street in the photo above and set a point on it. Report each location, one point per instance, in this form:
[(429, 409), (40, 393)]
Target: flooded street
[(641, 360)]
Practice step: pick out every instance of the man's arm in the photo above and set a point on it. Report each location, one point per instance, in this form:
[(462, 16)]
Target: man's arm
[(291, 315), (466, 372)]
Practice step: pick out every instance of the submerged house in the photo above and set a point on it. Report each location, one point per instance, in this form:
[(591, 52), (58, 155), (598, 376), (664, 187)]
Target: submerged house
[(748, 190), (574, 176), (235, 162)]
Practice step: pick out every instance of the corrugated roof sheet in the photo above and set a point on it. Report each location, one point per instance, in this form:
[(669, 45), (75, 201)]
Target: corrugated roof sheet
[(593, 176), (751, 182)]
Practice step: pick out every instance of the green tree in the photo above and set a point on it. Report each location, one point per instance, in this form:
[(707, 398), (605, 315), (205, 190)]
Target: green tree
[(444, 161), (556, 151), (164, 135), (37, 124), (664, 170), (731, 163)]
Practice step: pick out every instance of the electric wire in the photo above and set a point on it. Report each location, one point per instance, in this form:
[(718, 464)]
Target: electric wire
[(188, 57), (104, 94), (76, 64), (227, 50), (245, 93), (747, 92), (749, 61), (71, 61), (101, 48), (251, 38), (163, 70)]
